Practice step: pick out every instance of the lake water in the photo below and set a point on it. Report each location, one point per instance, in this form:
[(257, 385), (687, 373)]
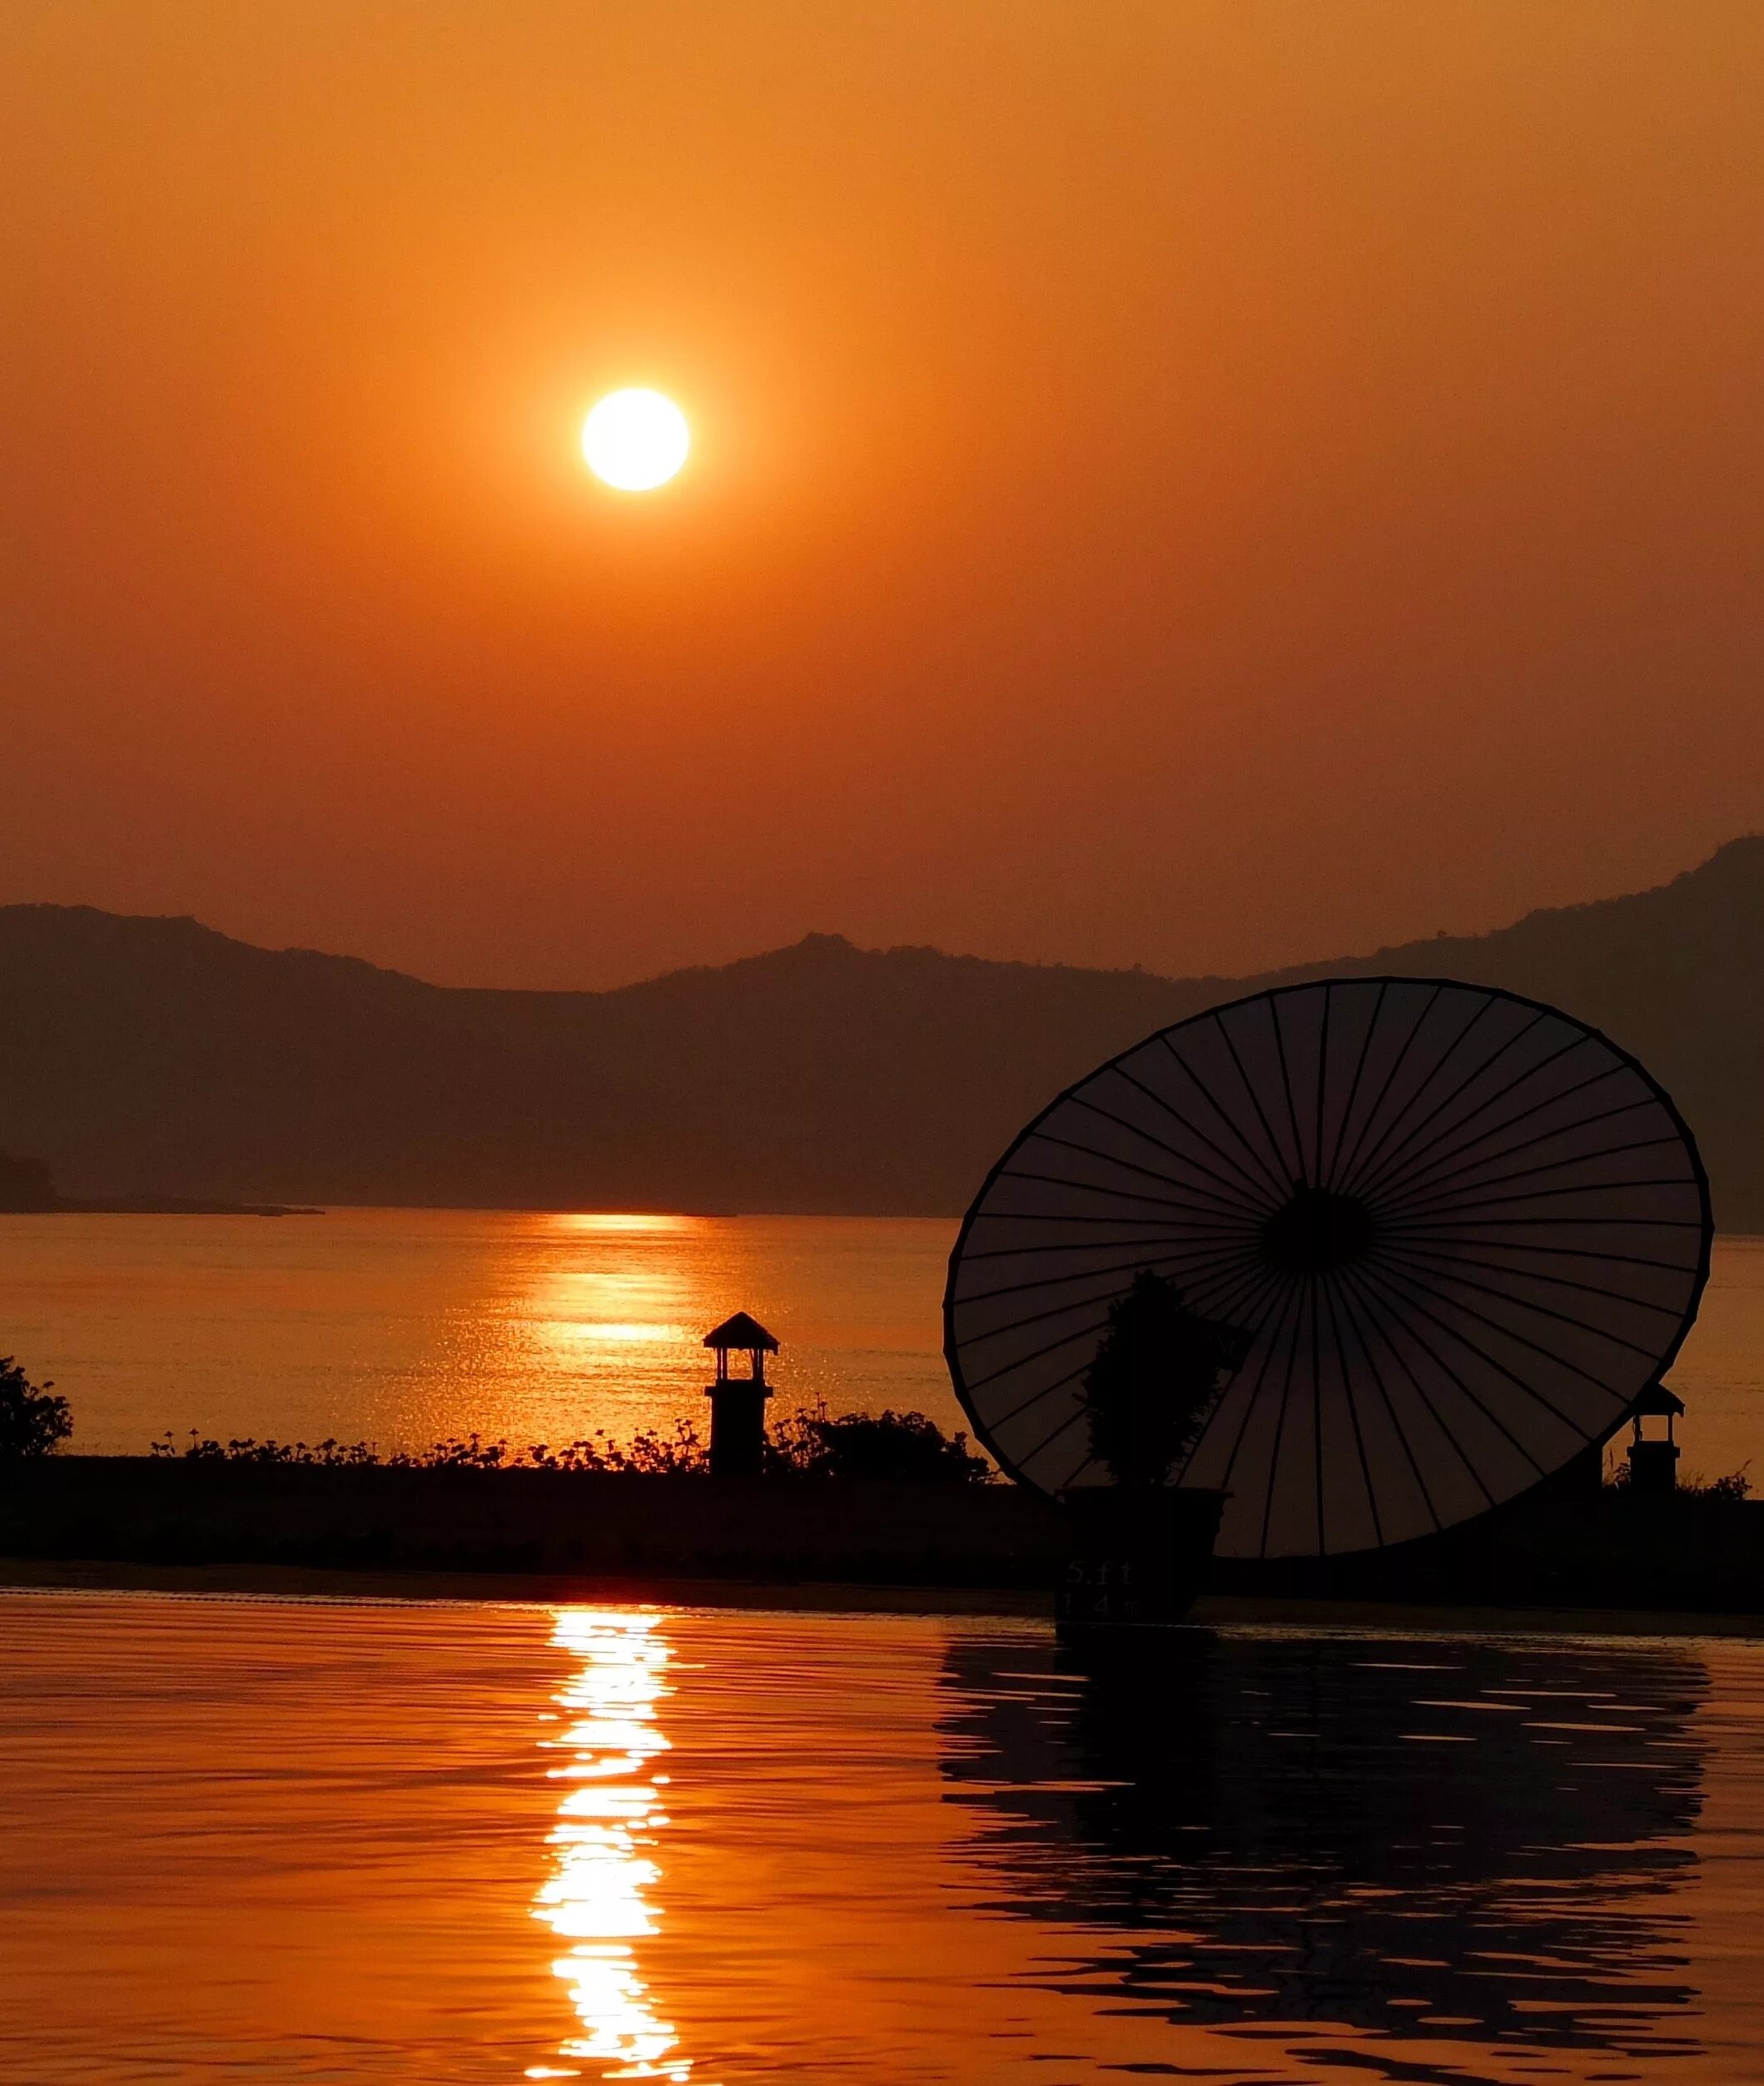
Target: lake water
[(404, 1326), (333, 1844)]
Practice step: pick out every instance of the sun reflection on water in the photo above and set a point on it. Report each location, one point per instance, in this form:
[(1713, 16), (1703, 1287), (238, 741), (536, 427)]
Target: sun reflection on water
[(596, 1897), (622, 1332)]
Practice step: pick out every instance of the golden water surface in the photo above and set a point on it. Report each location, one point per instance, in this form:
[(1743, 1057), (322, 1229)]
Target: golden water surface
[(403, 1326), (247, 1839)]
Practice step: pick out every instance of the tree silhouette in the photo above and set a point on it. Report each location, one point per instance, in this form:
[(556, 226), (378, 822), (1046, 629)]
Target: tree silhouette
[(32, 1422), (1158, 1373)]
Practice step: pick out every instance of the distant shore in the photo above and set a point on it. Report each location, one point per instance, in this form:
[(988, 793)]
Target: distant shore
[(153, 1206)]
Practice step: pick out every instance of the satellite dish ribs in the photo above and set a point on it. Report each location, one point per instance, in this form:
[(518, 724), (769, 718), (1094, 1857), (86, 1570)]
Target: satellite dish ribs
[(1465, 1232)]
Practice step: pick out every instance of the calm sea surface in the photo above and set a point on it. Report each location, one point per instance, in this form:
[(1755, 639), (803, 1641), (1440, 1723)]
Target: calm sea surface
[(361, 1844), (404, 1326)]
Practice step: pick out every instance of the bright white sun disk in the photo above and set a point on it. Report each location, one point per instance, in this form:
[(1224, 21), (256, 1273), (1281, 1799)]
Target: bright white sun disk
[(635, 441)]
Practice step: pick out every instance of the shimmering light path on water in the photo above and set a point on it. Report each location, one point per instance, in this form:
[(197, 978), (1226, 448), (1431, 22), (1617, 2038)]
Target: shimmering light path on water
[(358, 1844), (402, 1326)]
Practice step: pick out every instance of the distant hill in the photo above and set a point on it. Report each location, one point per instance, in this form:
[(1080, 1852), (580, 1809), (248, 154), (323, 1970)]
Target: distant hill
[(154, 1056)]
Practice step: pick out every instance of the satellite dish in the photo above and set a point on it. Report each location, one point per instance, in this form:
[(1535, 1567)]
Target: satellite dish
[(1464, 1231)]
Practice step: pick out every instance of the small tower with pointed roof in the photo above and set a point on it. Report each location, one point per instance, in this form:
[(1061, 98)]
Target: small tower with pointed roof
[(1653, 1459), (738, 1404)]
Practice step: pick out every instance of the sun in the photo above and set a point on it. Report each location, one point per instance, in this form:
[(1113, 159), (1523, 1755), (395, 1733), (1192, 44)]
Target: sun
[(635, 441)]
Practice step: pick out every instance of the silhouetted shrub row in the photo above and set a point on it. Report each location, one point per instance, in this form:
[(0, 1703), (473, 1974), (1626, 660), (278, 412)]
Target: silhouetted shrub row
[(1733, 1490), (810, 1444), (647, 1451)]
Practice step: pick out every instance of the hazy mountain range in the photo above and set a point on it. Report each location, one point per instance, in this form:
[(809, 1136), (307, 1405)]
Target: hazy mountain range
[(154, 1056)]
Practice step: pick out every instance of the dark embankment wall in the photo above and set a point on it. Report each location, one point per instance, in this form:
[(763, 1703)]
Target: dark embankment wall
[(154, 1057), (1604, 1551), (174, 1511)]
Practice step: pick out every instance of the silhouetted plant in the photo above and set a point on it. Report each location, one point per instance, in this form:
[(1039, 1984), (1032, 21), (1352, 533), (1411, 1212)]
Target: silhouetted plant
[(810, 1444), (1731, 1491), (647, 1453), (1156, 1376), (33, 1421), (201, 1448), (681, 1453), (466, 1452), (903, 1446)]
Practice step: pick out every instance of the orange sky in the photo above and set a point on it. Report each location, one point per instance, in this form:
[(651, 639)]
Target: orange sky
[(1195, 481)]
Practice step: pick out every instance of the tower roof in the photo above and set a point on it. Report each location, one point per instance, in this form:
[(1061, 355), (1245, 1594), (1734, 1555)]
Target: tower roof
[(745, 1334), (1657, 1403)]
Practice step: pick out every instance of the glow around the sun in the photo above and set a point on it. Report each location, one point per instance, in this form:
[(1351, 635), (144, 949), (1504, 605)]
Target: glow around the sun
[(635, 441)]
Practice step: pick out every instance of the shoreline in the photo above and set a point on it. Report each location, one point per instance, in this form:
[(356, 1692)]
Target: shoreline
[(1211, 1611), (158, 1206)]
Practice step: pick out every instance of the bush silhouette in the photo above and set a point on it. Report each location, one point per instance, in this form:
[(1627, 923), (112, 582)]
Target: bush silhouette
[(32, 1421), (1158, 1373), (899, 1447)]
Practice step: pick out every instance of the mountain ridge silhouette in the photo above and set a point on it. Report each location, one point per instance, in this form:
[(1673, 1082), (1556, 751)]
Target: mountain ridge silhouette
[(154, 1055)]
